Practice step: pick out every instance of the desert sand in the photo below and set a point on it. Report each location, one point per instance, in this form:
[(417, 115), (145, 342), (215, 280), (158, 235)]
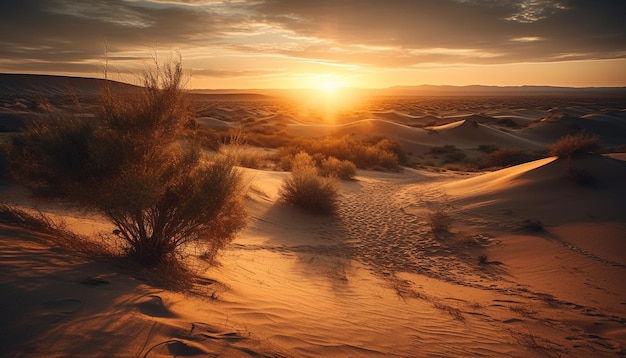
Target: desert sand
[(374, 281)]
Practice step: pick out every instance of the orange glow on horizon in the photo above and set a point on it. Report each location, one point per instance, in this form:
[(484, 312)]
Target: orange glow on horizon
[(325, 97)]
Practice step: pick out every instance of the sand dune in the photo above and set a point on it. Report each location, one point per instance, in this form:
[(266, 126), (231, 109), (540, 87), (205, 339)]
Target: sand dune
[(546, 189), (610, 129), (470, 134), (372, 282), (532, 266)]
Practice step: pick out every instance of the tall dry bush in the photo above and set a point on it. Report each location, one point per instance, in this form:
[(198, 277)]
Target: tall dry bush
[(307, 190), (132, 166)]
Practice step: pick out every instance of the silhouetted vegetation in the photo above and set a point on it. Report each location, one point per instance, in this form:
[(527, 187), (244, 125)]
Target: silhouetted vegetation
[(505, 158), (574, 145), (532, 225), (132, 166), (449, 152)]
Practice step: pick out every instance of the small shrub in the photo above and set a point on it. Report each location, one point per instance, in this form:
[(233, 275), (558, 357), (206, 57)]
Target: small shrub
[(389, 146), (307, 190), (440, 222), (483, 259), (272, 139), (251, 160), (333, 167), (207, 138), (380, 156), (532, 225), (574, 145), (375, 158), (504, 158), (450, 153)]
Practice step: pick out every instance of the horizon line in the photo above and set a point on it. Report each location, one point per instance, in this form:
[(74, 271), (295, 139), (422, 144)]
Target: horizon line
[(407, 87)]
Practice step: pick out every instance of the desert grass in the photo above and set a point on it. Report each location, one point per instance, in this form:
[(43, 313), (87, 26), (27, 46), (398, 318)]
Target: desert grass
[(56, 231)]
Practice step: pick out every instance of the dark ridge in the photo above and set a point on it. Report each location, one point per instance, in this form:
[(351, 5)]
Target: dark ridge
[(50, 85)]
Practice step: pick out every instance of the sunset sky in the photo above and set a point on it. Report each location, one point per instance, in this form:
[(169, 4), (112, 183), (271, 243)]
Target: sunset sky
[(324, 43)]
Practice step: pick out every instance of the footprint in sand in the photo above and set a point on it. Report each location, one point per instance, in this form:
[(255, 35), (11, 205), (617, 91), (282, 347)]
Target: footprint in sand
[(153, 306)]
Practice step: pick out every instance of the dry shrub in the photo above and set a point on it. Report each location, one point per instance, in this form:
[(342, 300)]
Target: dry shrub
[(505, 158), (252, 160), (376, 158), (132, 166), (207, 138), (574, 145), (450, 153), (268, 137), (374, 154), (440, 222), (307, 190), (532, 225), (333, 167)]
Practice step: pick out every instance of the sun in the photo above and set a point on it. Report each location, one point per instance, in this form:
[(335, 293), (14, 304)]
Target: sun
[(327, 83), (326, 96), (330, 86)]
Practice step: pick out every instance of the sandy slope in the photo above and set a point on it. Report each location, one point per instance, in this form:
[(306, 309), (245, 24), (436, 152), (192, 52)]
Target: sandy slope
[(372, 282)]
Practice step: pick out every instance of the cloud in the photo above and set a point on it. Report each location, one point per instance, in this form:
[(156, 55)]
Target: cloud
[(67, 30), (591, 29), (369, 34)]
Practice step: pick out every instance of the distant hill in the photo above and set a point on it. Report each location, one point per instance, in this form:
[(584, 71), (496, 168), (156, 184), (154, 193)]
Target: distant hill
[(50, 85), (477, 90)]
